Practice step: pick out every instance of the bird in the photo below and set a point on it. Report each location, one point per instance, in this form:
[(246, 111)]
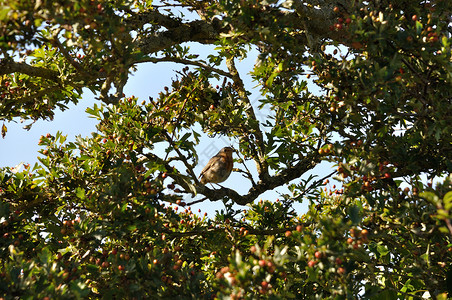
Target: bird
[(218, 168)]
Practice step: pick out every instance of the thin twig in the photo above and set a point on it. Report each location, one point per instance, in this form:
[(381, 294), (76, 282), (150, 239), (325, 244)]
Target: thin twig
[(261, 163), (185, 62), (250, 230), (315, 183), (68, 57), (170, 140), (250, 177), (197, 201), (449, 225), (182, 157)]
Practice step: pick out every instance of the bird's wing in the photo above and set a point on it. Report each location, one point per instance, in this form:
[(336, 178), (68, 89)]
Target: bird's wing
[(210, 163)]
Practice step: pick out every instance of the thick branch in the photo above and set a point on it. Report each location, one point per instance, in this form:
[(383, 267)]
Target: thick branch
[(69, 58), (195, 31), (262, 186), (317, 21), (8, 66), (262, 166), (153, 17)]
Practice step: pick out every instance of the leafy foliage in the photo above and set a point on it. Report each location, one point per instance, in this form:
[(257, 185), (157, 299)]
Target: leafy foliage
[(364, 85)]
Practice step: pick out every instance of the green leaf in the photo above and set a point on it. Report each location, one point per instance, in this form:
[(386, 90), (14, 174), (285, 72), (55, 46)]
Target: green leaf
[(80, 193), (94, 112), (445, 41), (385, 295), (382, 249), (4, 130), (131, 227), (448, 200), (354, 214), (44, 256), (442, 296), (419, 27), (4, 12), (431, 197)]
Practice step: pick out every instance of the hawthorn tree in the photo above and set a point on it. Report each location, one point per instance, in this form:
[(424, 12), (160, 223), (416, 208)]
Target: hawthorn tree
[(104, 216)]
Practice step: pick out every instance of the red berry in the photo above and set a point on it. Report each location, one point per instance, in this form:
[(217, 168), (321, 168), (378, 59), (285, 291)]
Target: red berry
[(338, 26), (311, 263)]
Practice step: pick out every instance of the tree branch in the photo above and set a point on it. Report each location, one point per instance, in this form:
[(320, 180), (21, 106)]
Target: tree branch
[(185, 62), (194, 31), (153, 17), (251, 230), (8, 66), (181, 156), (262, 165), (69, 58), (262, 186)]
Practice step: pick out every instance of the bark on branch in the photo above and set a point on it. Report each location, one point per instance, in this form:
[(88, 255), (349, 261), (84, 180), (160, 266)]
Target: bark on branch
[(8, 66), (178, 32), (261, 164), (184, 61), (284, 177)]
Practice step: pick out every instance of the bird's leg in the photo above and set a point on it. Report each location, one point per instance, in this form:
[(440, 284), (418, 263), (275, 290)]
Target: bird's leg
[(220, 186), (211, 184)]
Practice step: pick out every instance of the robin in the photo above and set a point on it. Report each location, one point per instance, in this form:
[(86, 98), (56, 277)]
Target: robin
[(218, 168)]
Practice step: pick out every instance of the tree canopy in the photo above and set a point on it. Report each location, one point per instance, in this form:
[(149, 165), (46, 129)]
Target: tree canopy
[(109, 216)]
